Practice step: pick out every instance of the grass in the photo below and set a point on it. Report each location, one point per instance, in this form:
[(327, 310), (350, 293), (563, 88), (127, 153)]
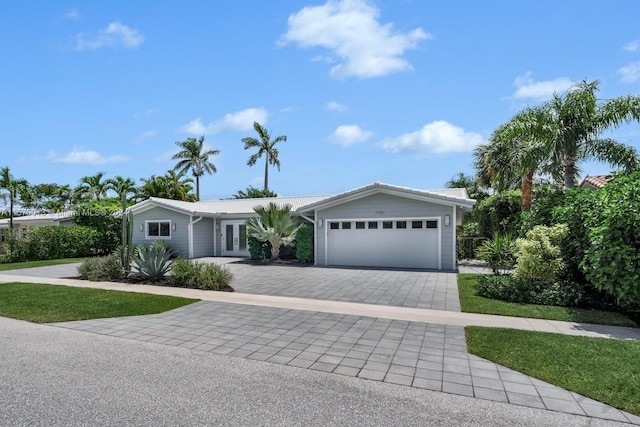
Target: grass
[(31, 264), (603, 369), (52, 303), (472, 303)]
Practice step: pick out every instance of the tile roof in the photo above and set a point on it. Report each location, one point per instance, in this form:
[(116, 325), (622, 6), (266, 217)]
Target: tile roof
[(595, 181)]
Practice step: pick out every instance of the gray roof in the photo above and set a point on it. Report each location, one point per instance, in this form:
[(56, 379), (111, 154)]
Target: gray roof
[(302, 203), (26, 219)]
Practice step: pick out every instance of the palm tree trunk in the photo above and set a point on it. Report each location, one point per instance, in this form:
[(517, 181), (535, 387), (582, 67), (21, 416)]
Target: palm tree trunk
[(197, 188), (527, 191), (266, 173), (569, 166), (11, 198)]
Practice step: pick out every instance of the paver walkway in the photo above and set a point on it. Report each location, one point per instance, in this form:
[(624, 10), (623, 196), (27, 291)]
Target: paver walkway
[(422, 348)]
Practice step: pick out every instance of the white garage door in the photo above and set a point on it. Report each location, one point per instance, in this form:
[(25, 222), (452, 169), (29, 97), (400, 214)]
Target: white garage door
[(390, 243)]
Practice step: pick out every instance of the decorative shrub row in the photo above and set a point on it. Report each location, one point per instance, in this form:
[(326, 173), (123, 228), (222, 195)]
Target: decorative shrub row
[(52, 242), (192, 274), (507, 288)]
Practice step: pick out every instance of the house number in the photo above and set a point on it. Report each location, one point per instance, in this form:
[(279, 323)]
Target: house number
[(380, 212)]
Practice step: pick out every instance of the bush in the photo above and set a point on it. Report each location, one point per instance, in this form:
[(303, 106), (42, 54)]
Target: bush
[(304, 243), (105, 222), (101, 269), (538, 256), (152, 261), (507, 288), (191, 274), (258, 250), (499, 213), (51, 242), (498, 252)]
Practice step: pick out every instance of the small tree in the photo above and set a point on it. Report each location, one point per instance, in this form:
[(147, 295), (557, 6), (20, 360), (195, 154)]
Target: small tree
[(273, 224), (538, 255)]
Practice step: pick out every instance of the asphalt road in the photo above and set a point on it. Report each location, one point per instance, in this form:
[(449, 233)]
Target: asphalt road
[(56, 377)]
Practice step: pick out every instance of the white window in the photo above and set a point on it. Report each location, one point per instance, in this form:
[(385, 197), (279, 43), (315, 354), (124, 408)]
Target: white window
[(158, 229)]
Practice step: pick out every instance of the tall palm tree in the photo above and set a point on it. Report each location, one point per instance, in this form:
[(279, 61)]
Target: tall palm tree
[(266, 147), (570, 127), (192, 157), (123, 187), (14, 187), (92, 187)]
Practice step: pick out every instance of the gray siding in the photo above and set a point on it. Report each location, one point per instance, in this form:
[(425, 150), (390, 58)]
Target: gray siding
[(179, 238), (203, 238), (381, 206)]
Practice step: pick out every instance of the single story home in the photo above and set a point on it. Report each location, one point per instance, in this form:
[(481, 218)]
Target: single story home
[(378, 225), (22, 223)]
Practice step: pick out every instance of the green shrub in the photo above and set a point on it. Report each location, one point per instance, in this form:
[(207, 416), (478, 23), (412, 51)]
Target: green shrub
[(498, 252), (507, 288), (499, 213), (105, 222), (152, 261), (538, 256), (101, 269), (192, 274), (51, 242), (304, 243), (258, 250)]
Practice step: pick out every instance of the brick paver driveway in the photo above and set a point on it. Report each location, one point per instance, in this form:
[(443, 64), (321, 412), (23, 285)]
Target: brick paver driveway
[(414, 289)]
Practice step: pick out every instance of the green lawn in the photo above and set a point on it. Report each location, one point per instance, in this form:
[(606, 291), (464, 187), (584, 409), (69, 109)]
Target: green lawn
[(30, 264), (472, 303), (51, 303), (603, 369)]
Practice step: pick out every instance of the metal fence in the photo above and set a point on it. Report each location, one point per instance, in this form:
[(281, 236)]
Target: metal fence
[(467, 246)]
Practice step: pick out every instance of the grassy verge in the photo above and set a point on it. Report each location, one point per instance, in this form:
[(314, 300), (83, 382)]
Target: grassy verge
[(45, 263), (51, 303), (602, 369), (472, 303)]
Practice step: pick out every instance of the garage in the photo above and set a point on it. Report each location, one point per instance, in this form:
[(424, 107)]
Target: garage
[(400, 243)]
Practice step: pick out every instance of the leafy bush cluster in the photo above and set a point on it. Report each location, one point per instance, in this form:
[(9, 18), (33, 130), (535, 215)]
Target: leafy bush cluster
[(101, 269), (499, 213), (304, 243), (106, 223), (192, 274), (498, 252), (50, 242), (508, 288), (258, 250), (538, 256)]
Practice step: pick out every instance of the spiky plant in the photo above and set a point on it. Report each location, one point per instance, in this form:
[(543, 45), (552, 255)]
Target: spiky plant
[(153, 261)]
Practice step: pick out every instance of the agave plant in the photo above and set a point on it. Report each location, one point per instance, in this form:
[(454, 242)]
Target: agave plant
[(152, 261)]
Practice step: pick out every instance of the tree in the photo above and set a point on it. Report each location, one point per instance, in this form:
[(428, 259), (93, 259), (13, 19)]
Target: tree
[(253, 193), (460, 180), (123, 187), (192, 157), (570, 127), (274, 225), (266, 147), (511, 160), (14, 187), (170, 186), (92, 187)]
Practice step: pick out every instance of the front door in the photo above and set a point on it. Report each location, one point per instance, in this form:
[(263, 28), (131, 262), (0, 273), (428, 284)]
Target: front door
[(234, 238)]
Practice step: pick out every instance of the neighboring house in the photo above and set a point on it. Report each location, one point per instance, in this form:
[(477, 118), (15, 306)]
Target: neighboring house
[(595, 181), (378, 225), (22, 223)]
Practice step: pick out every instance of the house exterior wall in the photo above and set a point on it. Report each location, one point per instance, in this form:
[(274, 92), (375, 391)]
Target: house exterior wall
[(384, 206), (179, 240), (203, 238)]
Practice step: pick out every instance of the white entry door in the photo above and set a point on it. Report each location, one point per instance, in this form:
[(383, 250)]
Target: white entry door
[(234, 238)]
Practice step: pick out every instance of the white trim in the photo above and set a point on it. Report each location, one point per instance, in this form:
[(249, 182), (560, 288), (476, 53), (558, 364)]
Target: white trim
[(215, 237), (190, 233), (327, 221), (159, 221), (454, 222)]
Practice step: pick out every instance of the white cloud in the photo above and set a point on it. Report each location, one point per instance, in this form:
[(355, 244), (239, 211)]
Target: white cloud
[(79, 155), (347, 135), (350, 30), (335, 106), (630, 73), (147, 113), (528, 88), (632, 46), (287, 109), (240, 120), (72, 14), (146, 135), (114, 36), (437, 137)]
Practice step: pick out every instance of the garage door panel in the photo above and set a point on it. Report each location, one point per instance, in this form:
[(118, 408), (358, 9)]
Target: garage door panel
[(404, 248)]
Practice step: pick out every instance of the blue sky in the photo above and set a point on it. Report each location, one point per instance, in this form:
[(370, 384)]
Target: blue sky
[(394, 91)]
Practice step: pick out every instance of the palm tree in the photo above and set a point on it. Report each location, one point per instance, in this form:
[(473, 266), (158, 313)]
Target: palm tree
[(253, 193), (192, 157), (92, 186), (274, 225), (170, 186), (570, 127), (14, 187), (265, 146), (122, 187), (469, 183), (510, 160)]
